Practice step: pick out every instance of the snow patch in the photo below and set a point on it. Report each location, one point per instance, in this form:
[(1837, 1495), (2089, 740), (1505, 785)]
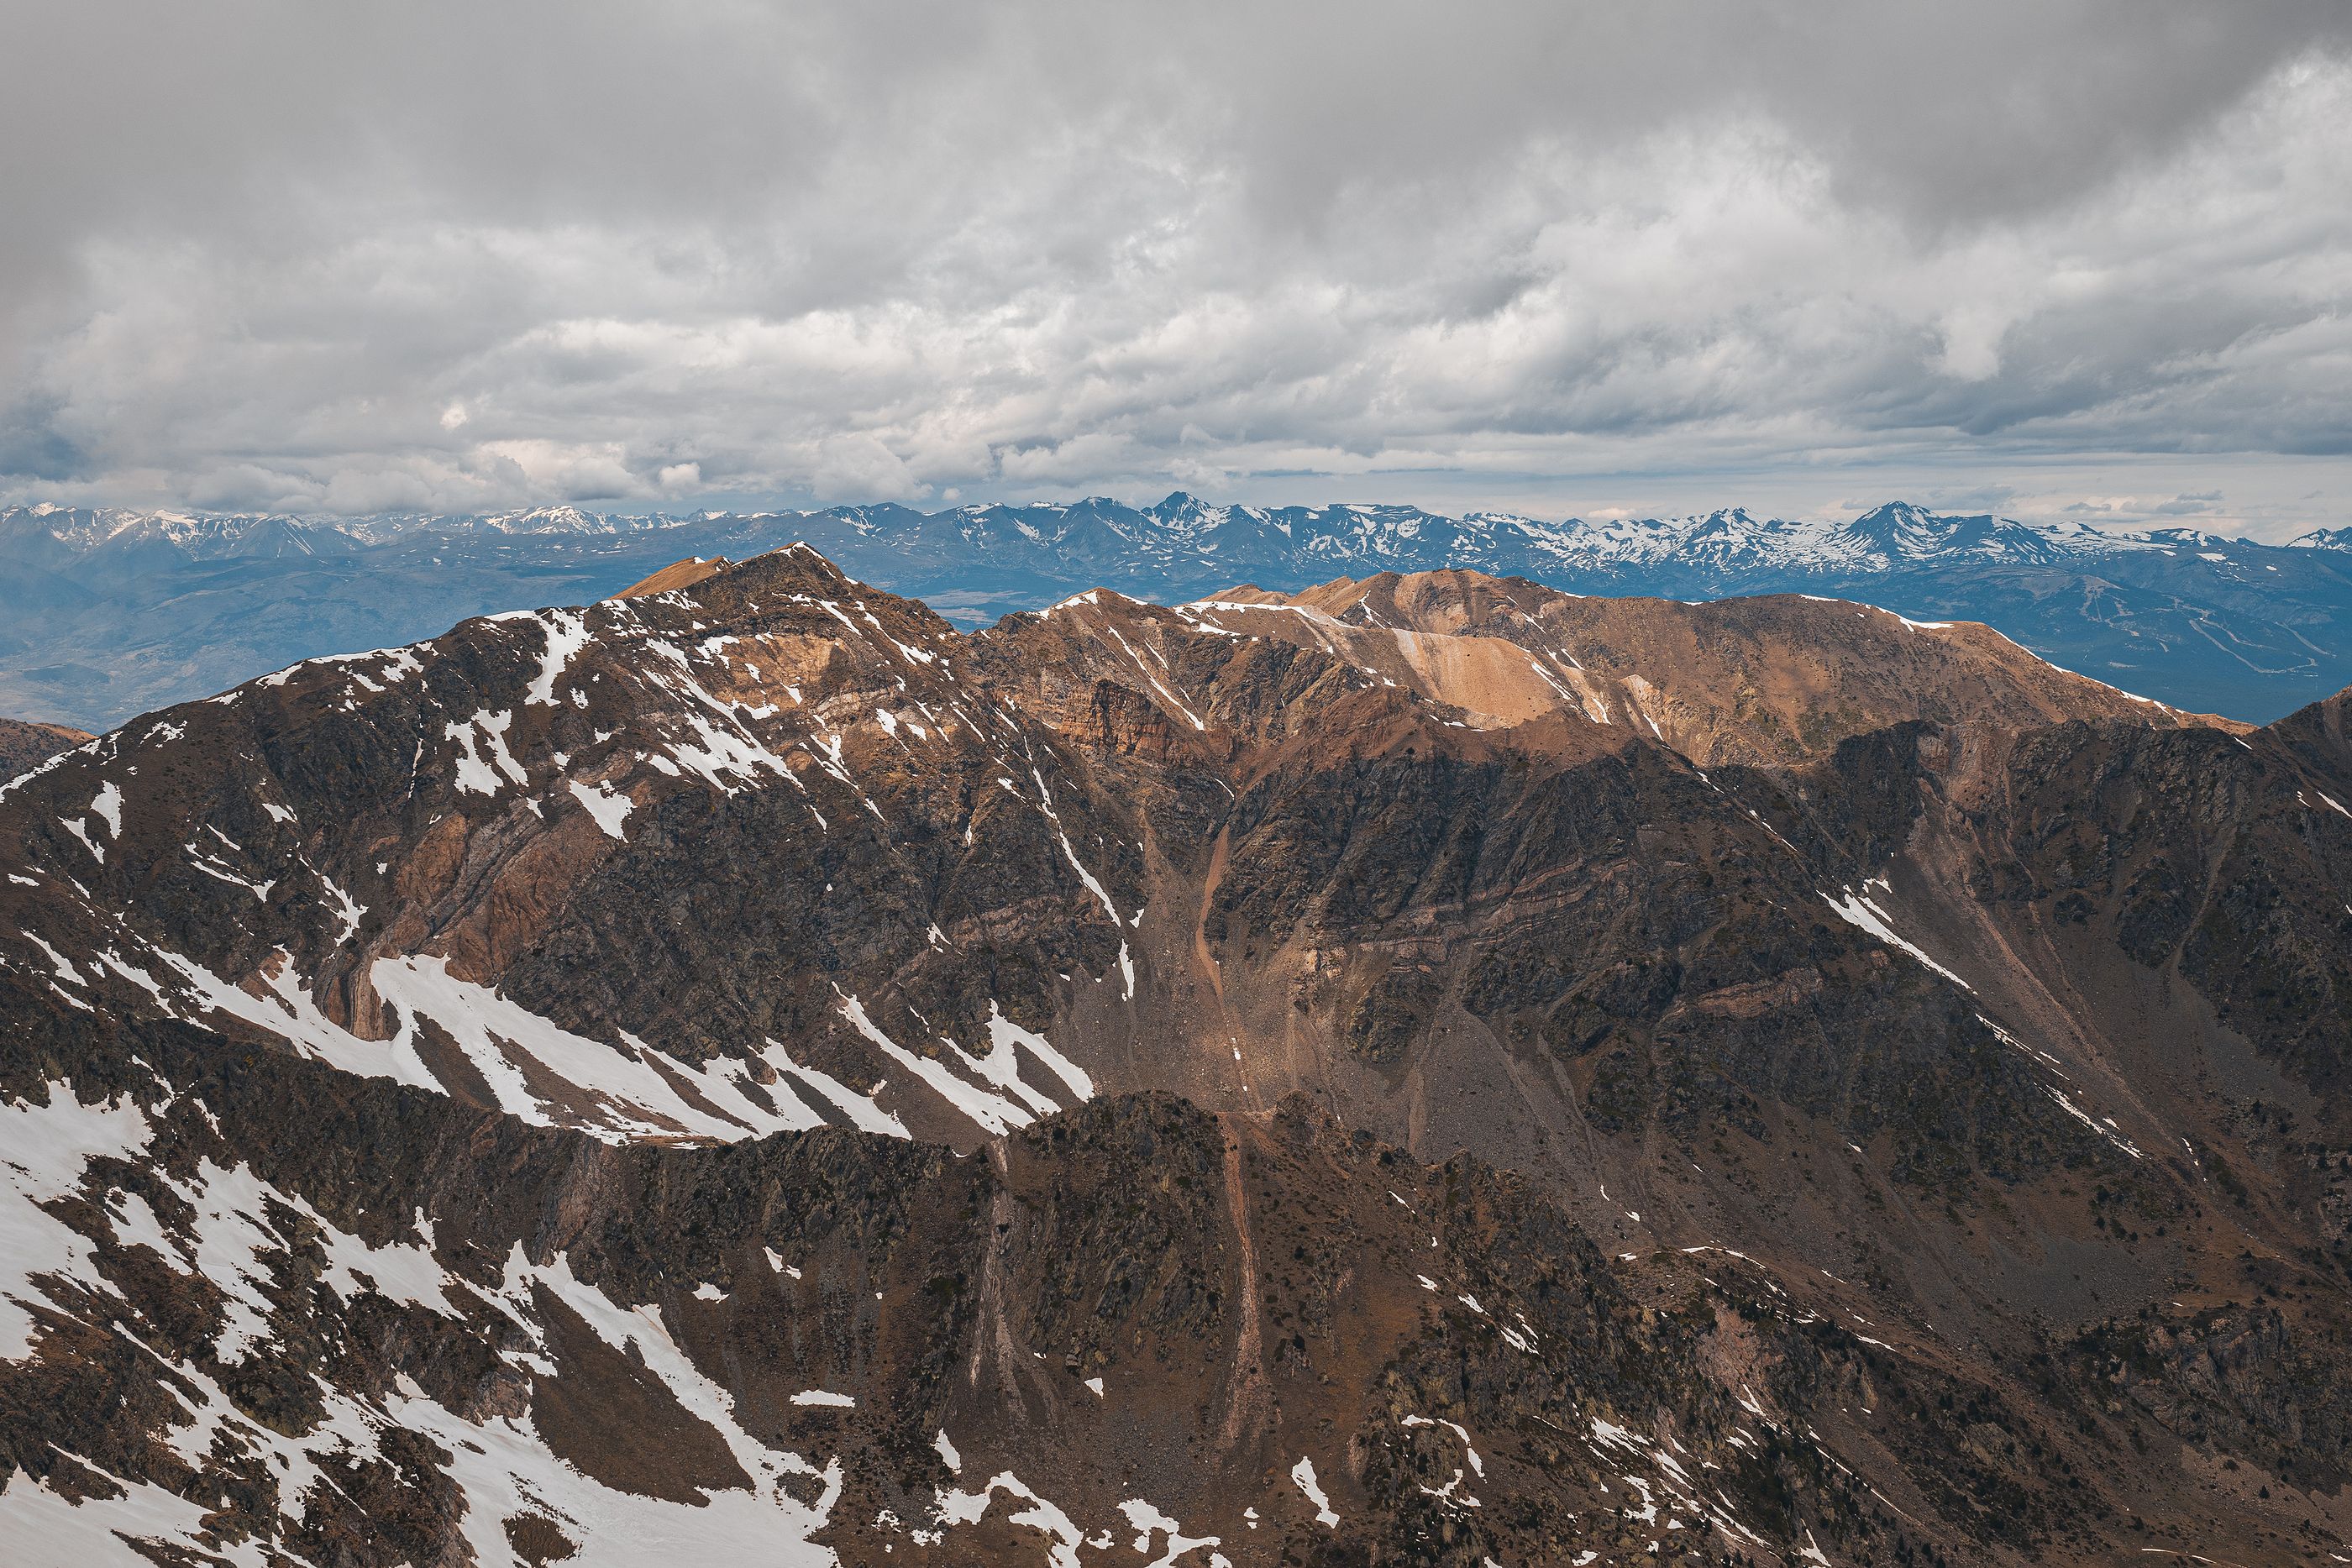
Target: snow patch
[(567, 633), (826, 1397), (995, 1115), (43, 1150), (1303, 1473), (475, 771), (1860, 909), (108, 806), (608, 806)]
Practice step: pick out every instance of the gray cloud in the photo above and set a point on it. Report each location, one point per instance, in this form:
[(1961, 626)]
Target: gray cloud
[(350, 258)]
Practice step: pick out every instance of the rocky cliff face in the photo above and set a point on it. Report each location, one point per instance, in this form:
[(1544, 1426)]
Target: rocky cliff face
[(1423, 1070)]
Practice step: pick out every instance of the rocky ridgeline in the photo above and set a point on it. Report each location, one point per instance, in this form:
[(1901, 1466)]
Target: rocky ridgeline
[(105, 614)]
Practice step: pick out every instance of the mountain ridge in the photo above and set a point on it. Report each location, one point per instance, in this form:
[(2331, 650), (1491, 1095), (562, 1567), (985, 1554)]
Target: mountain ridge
[(118, 611), (1891, 530)]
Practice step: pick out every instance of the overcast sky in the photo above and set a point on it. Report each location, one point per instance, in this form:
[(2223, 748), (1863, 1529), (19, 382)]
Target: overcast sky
[(2057, 258)]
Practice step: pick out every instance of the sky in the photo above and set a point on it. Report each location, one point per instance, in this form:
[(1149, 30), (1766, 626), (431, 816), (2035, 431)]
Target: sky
[(2085, 259)]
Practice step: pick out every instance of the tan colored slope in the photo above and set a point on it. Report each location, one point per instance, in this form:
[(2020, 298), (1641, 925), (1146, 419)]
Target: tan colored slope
[(1497, 682), (26, 745), (676, 575), (1222, 684), (1770, 679)]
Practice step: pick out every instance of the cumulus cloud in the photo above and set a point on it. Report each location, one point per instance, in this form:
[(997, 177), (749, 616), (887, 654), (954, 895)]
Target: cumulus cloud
[(346, 259)]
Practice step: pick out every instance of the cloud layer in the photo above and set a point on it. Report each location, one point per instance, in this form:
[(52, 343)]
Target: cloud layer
[(2093, 255)]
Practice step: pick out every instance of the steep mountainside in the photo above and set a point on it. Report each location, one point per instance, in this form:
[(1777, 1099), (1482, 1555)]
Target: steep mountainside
[(1426, 1069), (110, 613)]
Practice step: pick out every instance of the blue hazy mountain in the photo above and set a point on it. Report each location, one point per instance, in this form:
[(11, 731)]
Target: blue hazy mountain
[(107, 614)]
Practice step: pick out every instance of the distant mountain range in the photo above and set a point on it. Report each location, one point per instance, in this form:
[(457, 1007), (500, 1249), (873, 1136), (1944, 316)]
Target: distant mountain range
[(110, 613)]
